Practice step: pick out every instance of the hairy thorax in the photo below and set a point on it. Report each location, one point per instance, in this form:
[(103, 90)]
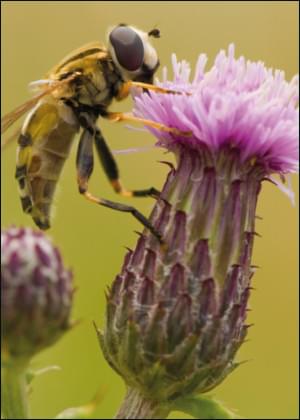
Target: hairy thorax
[(97, 84)]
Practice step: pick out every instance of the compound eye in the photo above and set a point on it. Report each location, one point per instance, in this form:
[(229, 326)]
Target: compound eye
[(128, 46)]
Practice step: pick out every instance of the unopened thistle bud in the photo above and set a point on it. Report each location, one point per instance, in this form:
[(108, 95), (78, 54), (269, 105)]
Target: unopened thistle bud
[(176, 314), (36, 293)]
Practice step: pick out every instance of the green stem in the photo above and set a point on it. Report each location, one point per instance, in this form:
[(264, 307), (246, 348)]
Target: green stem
[(136, 406), (203, 407), (14, 395)]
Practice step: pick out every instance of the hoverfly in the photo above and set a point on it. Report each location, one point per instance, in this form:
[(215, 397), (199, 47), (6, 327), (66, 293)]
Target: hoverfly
[(75, 93)]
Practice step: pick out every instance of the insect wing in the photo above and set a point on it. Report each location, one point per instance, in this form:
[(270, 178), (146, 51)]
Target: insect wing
[(10, 139), (13, 116), (17, 113)]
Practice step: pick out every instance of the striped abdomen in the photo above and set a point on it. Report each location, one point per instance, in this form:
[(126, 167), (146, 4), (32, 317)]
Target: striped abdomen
[(44, 145)]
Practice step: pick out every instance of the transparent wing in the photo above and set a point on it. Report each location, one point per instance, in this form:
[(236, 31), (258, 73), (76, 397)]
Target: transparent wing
[(48, 88), (10, 139)]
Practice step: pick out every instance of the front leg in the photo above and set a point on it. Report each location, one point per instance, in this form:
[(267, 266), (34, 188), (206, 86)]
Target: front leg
[(120, 116), (125, 89)]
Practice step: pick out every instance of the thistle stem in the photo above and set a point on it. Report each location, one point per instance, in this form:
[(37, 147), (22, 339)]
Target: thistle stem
[(14, 396), (136, 406)]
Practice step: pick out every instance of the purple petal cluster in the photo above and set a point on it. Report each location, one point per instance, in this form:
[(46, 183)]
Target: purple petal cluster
[(237, 102)]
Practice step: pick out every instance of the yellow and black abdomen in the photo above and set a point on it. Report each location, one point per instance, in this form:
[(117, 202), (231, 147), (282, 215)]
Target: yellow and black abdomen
[(44, 145)]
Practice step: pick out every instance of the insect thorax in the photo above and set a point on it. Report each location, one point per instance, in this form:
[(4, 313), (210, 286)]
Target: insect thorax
[(98, 85)]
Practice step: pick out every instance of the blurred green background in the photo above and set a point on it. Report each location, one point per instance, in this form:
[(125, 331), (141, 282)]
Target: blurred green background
[(35, 36)]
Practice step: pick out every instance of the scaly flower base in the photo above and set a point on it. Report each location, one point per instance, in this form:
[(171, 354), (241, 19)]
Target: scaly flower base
[(176, 313)]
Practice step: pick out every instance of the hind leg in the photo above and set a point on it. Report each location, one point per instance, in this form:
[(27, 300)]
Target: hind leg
[(112, 172), (85, 164)]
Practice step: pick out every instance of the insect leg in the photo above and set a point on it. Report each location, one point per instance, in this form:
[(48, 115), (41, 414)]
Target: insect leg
[(84, 162), (119, 116), (125, 90), (127, 209), (111, 170)]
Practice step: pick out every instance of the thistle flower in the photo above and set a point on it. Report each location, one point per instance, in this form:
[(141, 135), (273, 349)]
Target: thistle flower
[(36, 293), (176, 315)]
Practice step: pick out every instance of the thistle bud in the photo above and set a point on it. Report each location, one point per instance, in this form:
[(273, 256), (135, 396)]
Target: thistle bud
[(176, 315), (36, 293)]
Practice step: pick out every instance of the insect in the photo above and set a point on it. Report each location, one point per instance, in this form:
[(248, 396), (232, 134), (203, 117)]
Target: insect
[(75, 93)]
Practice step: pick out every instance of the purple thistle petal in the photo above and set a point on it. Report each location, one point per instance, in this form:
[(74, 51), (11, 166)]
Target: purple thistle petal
[(236, 102)]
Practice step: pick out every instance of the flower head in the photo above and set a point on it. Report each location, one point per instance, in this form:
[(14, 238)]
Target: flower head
[(36, 292), (176, 315), (237, 103)]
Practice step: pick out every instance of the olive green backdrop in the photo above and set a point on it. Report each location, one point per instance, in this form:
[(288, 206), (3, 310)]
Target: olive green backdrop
[(35, 36)]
